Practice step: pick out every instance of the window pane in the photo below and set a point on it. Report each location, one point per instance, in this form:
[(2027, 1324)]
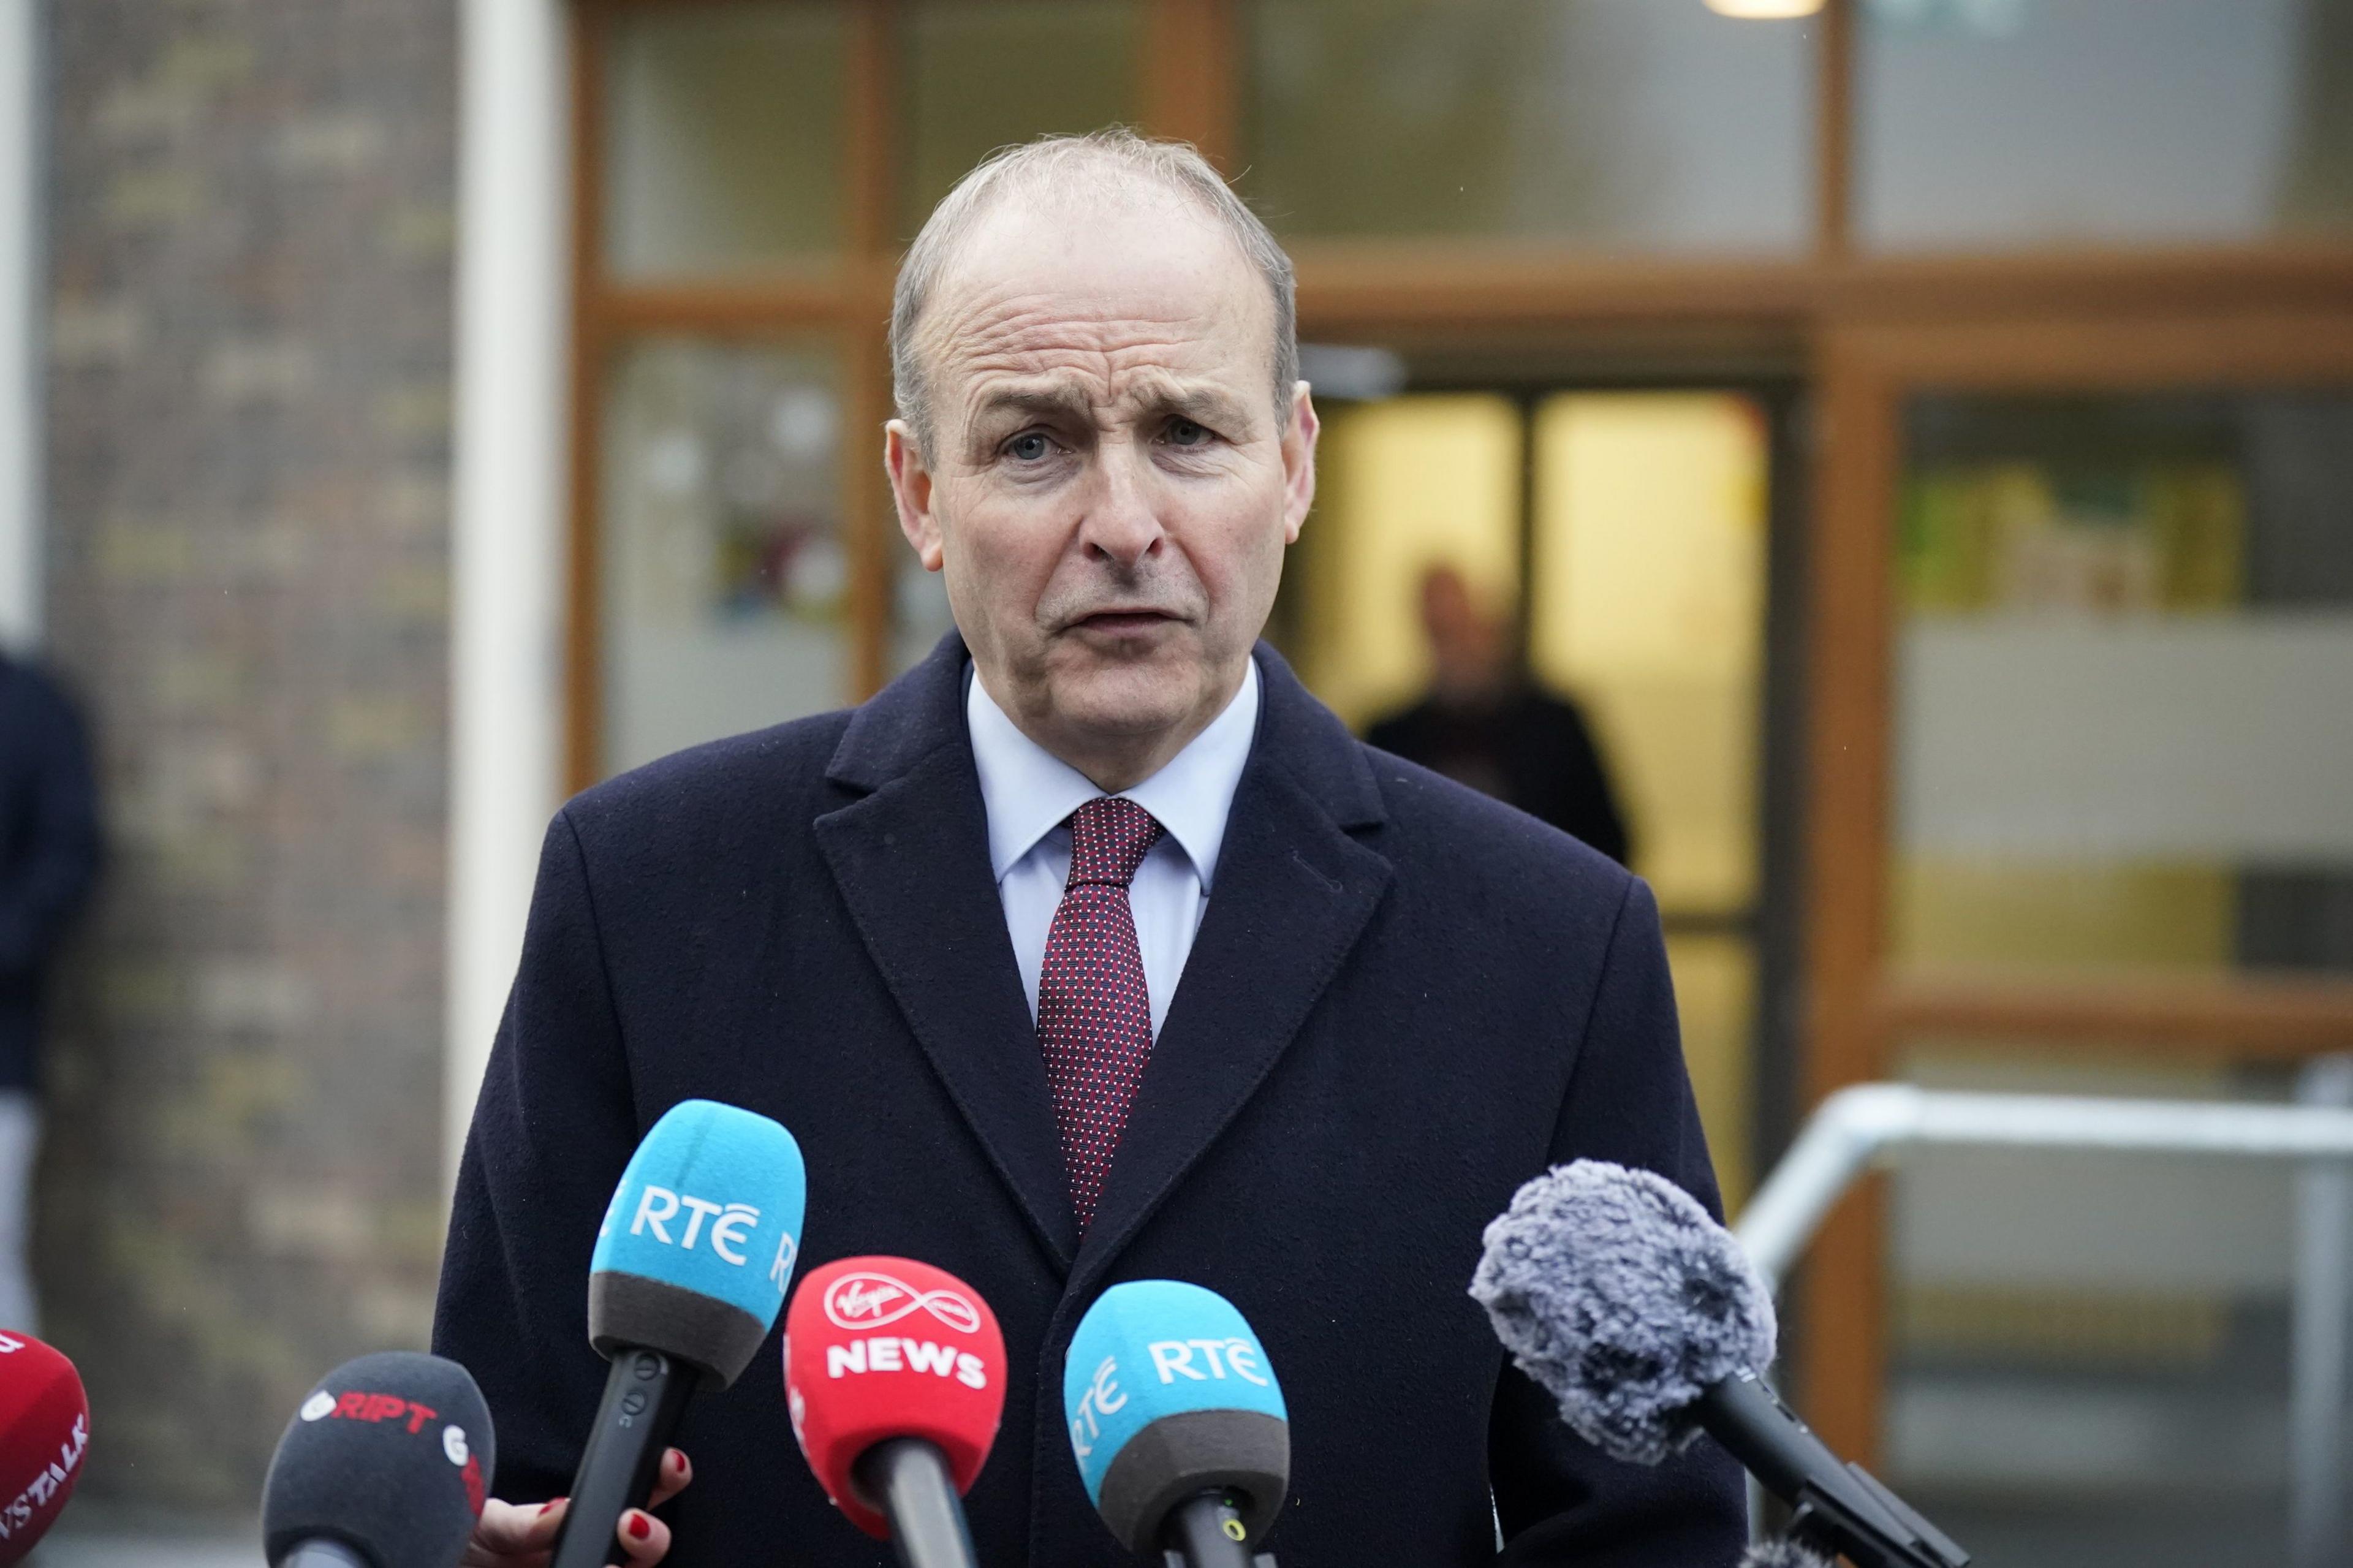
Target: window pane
[(1648, 609), (2126, 638), (723, 143), (1626, 123), (723, 567), (979, 76), (1649, 604), (1989, 123), (2090, 1353), (1402, 486)]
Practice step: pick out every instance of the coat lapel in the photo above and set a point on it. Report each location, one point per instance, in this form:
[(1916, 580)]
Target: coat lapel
[(1293, 894), (911, 860)]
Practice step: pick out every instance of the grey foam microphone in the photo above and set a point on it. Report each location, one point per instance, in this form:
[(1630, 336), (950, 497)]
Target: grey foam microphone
[(1619, 1294)]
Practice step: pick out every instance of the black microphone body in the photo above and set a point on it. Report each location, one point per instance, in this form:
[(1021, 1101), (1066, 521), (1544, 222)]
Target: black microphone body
[(645, 1396), (1841, 1508), (1206, 1531), (909, 1477)]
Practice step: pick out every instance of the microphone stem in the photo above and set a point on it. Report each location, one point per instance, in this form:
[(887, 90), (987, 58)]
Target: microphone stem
[(323, 1552), (645, 1395), (1205, 1531), (909, 1477)]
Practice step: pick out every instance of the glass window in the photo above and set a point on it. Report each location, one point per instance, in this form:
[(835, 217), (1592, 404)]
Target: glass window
[(1402, 486), (1647, 605), (980, 76), (2126, 632), (1649, 601), (1625, 123), (723, 561), (2090, 1356), (1645, 618), (723, 137), (1991, 124)]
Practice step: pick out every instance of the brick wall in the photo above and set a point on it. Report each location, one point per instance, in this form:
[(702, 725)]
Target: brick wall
[(249, 251)]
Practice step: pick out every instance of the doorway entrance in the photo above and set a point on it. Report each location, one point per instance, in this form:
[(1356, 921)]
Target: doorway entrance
[(1625, 539)]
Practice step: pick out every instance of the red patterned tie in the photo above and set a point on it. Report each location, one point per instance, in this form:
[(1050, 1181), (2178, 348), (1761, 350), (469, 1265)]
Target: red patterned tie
[(1094, 1021)]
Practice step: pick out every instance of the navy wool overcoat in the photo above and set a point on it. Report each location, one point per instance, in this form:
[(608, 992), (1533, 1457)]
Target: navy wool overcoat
[(1404, 1001)]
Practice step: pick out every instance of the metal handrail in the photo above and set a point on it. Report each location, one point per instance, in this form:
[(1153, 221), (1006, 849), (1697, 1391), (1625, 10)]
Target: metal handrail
[(1872, 1125)]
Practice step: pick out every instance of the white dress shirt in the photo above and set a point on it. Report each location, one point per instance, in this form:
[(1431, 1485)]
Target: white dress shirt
[(1029, 795)]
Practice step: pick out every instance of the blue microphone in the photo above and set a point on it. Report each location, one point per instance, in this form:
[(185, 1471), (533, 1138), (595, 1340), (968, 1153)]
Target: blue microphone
[(690, 1267), (1178, 1422)]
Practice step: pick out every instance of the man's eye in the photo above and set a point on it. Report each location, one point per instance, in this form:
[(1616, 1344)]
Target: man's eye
[(1186, 433), (1030, 447)]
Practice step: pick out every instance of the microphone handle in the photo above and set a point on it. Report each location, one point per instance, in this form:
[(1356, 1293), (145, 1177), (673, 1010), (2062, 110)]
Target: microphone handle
[(1841, 1508), (323, 1552), (1206, 1531), (645, 1394), (910, 1475)]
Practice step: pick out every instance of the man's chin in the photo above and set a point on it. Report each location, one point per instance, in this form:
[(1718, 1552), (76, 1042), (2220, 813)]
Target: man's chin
[(1130, 696)]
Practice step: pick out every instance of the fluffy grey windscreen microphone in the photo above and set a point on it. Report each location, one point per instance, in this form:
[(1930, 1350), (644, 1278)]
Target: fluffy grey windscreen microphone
[(1782, 1555), (1616, 1291)]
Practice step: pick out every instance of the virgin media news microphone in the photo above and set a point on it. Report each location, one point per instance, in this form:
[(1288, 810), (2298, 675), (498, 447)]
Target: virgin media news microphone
[(894, 1376), (1177, 1424), (690, 1270), (1616, 1291), (44, 1433), (384, 1466)]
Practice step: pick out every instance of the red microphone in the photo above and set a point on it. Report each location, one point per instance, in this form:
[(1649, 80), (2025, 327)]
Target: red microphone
[(44, 1432), (894, 1373)]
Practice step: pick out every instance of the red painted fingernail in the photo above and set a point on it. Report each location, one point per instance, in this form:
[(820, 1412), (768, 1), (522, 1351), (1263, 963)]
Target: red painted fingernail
[(545, 1506), (640, 1527)]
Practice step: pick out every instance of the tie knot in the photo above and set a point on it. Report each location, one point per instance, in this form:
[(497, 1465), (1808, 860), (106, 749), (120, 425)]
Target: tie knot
[(1109, 839)]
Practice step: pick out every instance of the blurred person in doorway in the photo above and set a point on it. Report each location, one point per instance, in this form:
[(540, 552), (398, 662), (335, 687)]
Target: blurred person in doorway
[(48, 856), (1484, 723)]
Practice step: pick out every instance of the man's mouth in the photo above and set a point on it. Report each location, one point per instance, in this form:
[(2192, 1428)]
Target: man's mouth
[(1122, 623)]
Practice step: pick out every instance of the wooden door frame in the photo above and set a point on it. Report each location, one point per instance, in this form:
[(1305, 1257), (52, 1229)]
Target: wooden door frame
[(1859, 1012)]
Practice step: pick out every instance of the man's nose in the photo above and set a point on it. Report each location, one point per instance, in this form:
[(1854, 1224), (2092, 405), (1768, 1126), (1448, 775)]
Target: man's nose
[(1122, 525)]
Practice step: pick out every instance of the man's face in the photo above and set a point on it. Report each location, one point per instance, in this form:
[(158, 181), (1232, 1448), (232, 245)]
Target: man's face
[(1112, 490)]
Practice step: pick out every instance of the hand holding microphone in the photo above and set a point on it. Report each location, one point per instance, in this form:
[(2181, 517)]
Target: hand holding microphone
[(1177, 1424), (894, 1376), (690, 1270), (520, 1535)]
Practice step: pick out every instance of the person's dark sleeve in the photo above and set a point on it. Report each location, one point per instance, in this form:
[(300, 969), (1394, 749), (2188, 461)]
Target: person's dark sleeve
[(1630, 1101), (1578, 796), (1396, 734), (41, 892), (553, 1129)]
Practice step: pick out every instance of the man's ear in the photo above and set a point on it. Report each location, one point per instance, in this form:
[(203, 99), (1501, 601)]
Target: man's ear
[(1299, 463), (911, 488)]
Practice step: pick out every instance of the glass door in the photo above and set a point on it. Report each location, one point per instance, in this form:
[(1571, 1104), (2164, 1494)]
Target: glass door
[(1560, 596), (2084, 658)]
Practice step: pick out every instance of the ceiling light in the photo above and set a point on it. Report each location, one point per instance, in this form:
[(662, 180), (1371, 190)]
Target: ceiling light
[(1765, 10)]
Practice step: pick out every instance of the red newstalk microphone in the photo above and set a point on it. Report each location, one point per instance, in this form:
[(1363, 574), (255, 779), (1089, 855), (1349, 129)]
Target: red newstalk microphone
[(44, 1432), (894, 1373)]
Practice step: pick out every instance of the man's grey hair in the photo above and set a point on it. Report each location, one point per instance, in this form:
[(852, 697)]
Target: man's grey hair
[(1102, 161)]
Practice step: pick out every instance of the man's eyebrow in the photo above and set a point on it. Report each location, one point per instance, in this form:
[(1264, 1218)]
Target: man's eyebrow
[(1212, 406), (1065, 402)]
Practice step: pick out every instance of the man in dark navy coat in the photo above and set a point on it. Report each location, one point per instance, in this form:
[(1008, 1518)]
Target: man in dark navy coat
[(1093, 949)]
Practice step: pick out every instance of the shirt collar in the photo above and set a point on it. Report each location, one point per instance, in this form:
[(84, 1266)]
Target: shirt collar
[(1028, 792)]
